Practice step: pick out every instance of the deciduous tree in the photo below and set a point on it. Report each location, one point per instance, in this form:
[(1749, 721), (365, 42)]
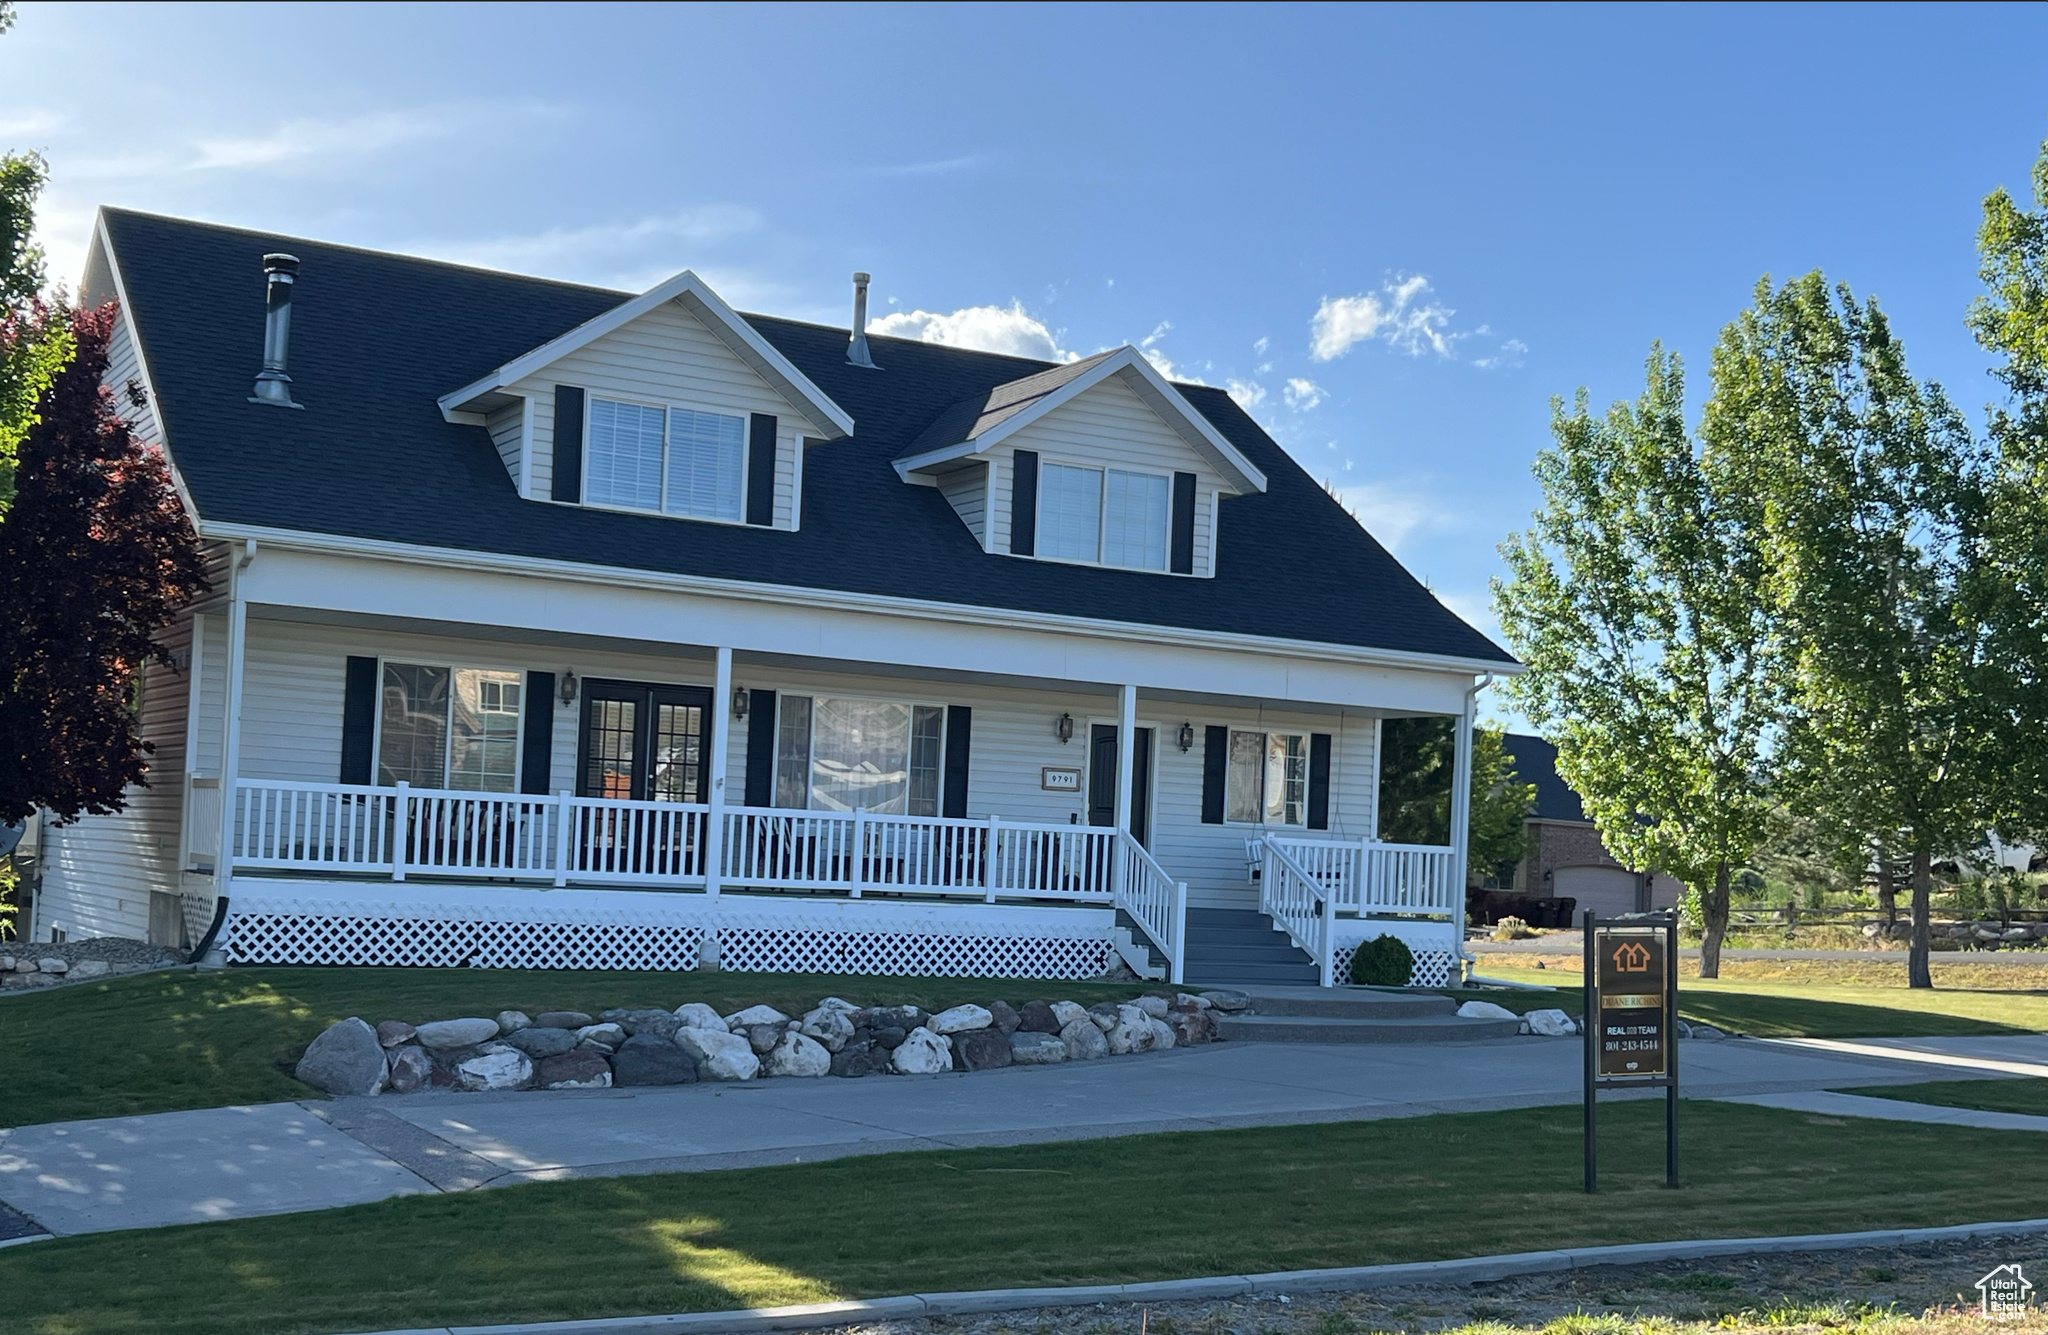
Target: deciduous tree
[(1416, 764)]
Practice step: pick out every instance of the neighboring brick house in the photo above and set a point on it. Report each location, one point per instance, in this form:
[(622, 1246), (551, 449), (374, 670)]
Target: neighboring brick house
[(1565, 857)]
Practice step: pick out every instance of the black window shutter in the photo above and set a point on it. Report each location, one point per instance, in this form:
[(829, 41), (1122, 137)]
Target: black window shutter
[(1215, 762), (1024, 503), (959, 743), (358, 719), (568, 443), (1319, 781), (761, 471), (537, 745), (761, 746), (1183, 524)]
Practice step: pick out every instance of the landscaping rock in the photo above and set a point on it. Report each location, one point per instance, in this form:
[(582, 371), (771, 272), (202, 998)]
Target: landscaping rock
[(1037, 1018), (561, 1020), (410, 1069), (753, 1015), (829, 1026), (511, 1022), (606, 1036), (582, 1069), (537, 1042), (1486, 1010), (719, 1056), (761, 1037), (1083, 1040), (392, 1033), (1032, 1047), (1162, 1034), (923, 1053), (838, 1004), (1225, 999), (888, 1039), (1708, 1033), (649, 1059), (697, 1015), (1066, 1012), (1006, 1017), (1105, 1015), (645, 1020), (855, 1061), (980, 1049), (1130, 1032), (798, 1055), (905, 1018), (345, 1059), (959, 1019), (505, 1069), (24, 965), (457, 1033), (1190, 999), (1550, 1023), (53, 964), (95, 968), (1191, 1024), (1151, 1005)]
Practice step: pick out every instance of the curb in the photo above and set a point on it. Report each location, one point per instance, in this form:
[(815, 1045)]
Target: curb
[(1468, 1270)]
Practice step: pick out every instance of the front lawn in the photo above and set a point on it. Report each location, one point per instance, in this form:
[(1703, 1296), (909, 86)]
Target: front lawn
[(1086, 1212), (165, 1041), (2013, 1096)]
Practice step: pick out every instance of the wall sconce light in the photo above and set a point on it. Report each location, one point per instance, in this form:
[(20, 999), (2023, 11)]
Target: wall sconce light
[(1187, 736), (569, 686), (1063, 727), (740, 701)]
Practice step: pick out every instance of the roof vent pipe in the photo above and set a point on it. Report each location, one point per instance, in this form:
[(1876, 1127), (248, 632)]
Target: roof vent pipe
[(273, 385), (857, 346)]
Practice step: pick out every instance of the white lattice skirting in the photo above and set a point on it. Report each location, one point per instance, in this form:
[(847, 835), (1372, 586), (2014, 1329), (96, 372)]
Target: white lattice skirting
[(1434, 945), (310, 923)]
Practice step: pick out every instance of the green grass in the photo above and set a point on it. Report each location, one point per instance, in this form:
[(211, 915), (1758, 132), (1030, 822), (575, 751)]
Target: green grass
[(1121, 1210), (165, 1041), (2013, 1096)]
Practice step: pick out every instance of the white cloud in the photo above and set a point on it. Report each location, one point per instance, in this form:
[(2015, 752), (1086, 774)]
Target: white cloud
[(1006, 329), (1399, 314), (1302, 395), (1510, 354), (940, 167), (29, 123), (1248, 393), (600, 245), (1393, 514), (1149, 345), (1259, 346)]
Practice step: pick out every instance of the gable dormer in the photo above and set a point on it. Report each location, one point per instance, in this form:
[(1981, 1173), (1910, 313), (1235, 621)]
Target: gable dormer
[(667, 404), (1099, 462)]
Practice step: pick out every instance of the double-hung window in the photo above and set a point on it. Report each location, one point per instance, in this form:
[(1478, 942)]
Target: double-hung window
[(441, 727), (834, 753), (1104, 516), (673, 460), (1267, 781)]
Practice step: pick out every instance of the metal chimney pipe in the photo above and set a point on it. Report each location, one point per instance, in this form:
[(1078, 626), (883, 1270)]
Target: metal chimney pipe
[(273, 385), (857, 346)]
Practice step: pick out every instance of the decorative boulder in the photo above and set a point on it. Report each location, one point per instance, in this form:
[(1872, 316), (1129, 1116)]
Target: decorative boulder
[(798, 1055), (1031, 1047), (1083, 1040), (1151, 1005), (645, 1020), (1486, 1010), (980, 1049), (1065, 1013), (606, 1036), (392, 1033), (54, 964), (1037, 1018), (1225, 999), (1162, 1033), (1132, 1031), (761, 1037), (1190, 999), (507, 1069), (837, 1004), (697, 1015), (753, 1015), (561, 1020), (1550, 1023), (411, 1068), (887, 1039), (829, 1026), (719, 1056), (581, 1069), (457, 1033), (537, 1042), (959, 1019), (1707, 1033), (648, 1059), (1006, 1017), (1105, 1015), (511, 1022), (95, 968), (905, 1018), (856, 1060), (1191, 1024), (345, 1059), (923, 1053)]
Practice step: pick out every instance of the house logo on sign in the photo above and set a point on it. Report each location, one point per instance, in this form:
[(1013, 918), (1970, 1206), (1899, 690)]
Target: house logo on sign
[(2005, 1293), (1632, 957)]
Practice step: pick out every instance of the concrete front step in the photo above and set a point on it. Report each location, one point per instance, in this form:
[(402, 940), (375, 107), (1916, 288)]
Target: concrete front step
[(1239, 975), (1345, 1003), (1339, 1029)]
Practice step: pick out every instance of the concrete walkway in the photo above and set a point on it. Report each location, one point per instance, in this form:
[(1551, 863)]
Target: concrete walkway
[(1573, 942), (137, 1172), (1893, 1110)]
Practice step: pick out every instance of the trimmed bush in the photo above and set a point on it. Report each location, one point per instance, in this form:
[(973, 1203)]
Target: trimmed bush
[(1384, 961)]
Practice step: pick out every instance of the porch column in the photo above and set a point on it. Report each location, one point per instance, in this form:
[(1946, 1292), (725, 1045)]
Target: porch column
[(721, 715), (1126, 726), (231, 718), (1461, 796)]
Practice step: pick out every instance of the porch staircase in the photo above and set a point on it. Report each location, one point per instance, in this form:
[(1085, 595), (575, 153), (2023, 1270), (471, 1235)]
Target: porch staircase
[(1240, 946), (1355, 1015)]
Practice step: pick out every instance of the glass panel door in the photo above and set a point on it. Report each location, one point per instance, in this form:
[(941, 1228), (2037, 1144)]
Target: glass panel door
[(645, 742)]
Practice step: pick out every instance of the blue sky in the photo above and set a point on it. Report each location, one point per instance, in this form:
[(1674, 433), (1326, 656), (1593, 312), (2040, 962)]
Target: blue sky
[(1396, 233)]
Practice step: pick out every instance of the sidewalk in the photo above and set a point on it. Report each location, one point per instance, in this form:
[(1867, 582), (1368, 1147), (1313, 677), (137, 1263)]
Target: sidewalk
[(227, 1163)]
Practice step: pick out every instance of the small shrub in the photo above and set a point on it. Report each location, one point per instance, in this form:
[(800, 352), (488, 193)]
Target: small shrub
[(1384, 961), (1511, 929)]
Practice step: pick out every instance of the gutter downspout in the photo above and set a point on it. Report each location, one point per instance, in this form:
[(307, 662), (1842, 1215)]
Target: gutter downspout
[(1461, 810)]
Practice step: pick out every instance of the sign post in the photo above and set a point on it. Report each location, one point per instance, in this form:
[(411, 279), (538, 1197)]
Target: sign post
[(1631, 1019)]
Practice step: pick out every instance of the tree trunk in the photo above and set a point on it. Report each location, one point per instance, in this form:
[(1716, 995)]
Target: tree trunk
[(1887, 890), (1714, 922), (1917, 972)]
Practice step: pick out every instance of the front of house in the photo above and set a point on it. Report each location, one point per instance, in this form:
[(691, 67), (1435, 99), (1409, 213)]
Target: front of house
[(558, 627)]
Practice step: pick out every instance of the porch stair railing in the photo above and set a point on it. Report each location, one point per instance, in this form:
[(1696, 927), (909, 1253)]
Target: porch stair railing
[(1154, 900), (1299, 904), (1305, 883)]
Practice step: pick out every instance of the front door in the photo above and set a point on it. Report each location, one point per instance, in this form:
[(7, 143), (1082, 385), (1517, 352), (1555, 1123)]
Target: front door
[(644, 742), (1102, 779)]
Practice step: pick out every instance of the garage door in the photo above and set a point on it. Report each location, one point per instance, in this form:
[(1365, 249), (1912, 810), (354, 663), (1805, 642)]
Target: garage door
[(1608, 891)]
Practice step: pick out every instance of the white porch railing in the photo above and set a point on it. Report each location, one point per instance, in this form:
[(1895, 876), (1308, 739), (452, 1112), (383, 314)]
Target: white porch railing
[(1305, 883), (1155, 901), (1299, 902)]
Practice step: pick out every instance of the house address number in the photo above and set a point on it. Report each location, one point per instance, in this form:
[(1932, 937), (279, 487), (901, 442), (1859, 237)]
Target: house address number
[(1060, 779)]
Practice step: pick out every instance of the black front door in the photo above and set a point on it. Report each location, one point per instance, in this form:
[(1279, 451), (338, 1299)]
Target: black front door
[(645, 742), (1102, 779)]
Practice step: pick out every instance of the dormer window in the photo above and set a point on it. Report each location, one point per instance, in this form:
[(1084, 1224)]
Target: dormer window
[(1105, 516), (676, 461)]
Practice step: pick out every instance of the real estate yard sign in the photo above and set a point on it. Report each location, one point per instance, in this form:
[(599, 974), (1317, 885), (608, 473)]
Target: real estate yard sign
[(1631, 1024)]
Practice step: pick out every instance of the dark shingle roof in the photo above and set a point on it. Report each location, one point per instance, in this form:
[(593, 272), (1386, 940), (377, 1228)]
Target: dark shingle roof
[(1536, 762), (971, 416), (376, 338)]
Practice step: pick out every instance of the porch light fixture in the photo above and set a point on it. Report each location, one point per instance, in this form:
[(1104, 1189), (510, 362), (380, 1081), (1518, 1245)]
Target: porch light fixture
[(1063, 727), (1187, 736), (740, 701), (569, 686)]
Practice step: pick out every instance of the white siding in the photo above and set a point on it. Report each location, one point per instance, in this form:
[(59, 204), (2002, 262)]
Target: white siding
[(967, 490), (669, 356), (507, 426), (1107, 427), (124, 366)]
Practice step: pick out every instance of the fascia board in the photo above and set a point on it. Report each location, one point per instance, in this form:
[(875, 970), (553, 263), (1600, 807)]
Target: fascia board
[(105, 242), (794, 595), (1171, 404)]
